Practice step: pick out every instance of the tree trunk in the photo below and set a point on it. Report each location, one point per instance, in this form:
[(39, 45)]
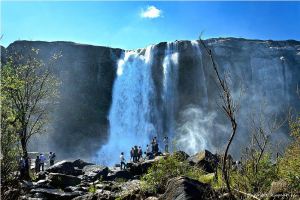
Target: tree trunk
[(25, 173)]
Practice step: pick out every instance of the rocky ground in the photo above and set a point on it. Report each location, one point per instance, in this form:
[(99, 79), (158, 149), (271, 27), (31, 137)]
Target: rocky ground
[(80, 180)]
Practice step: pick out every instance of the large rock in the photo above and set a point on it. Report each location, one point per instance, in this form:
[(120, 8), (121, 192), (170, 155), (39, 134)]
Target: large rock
[(64, 167), (94, 172), (278, 188), (141, 168), (205, 160), (10, 194), (183, 188), (119, 175), (80, 164), (101, 195), (55, 194), (63, 180)]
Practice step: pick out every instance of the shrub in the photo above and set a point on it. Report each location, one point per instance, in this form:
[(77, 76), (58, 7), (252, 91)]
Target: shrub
[(289, 165), (249, 180), (166, 168)]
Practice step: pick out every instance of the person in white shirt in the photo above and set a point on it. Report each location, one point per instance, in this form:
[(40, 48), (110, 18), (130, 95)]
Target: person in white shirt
[(123, 161), (42, 161)]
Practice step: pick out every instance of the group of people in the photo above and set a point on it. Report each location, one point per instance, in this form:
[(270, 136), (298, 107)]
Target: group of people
[(136, 153), (41, 159)]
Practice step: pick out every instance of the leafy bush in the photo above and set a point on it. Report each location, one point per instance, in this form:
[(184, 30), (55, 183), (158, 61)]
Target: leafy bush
[(166, 168), (250, 180), (289, 165)]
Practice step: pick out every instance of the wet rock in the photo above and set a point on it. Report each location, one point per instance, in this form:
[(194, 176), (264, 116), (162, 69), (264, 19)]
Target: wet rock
[(92, 173), (183, 188), (63, 180), (205, 160), (64, 167), (55, 194)]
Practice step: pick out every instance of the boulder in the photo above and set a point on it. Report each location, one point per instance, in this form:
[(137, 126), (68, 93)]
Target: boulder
[(101, 195), (41, 175), (11, 194), (183, 188), (205, 160), (54, 194), (64, 167), (119, 175), (92, 173), (80, 164), (42, 184), (141, 168), (151, 198), (278, 188), (63, 180)]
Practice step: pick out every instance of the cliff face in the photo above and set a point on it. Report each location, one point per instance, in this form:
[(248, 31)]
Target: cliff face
[(269, 71), (87, 74)]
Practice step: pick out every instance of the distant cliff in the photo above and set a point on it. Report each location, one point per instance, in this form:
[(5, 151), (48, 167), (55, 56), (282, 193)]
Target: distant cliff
[(268, 70)]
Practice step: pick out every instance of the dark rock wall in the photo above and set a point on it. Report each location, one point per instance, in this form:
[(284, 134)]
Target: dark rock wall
[(268, 70), (79, 123)]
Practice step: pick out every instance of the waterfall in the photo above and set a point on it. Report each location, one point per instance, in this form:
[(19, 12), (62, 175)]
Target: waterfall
[(170, 81), (196, 122), (133, 107)]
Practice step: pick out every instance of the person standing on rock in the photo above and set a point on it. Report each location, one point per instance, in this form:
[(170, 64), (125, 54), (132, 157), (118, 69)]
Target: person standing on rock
[(52, 158), (140, 153), (37, 164), (131, 153), (148, 150), (123, 161), (166, 142), (42, 161), (135, 154), (153, 145)]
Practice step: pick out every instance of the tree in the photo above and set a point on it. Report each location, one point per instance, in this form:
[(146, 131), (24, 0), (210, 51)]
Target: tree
[(229, 107), (31, 87), (9, 143)]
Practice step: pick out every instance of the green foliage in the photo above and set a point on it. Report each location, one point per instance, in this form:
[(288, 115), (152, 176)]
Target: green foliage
[(166, 168), (92, 189), (252, 180), (28, 88), (9, 139), (289, 165)]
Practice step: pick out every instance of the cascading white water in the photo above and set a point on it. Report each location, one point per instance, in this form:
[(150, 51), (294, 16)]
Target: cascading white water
[(201, 82), (134, 118), (170, 81), (133, 106), (196, 124)]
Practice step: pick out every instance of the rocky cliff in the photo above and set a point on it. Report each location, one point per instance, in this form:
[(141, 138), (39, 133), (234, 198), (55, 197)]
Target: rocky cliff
[(182, 101)]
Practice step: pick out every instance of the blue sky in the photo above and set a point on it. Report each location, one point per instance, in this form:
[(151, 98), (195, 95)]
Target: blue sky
[(133, 25)]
